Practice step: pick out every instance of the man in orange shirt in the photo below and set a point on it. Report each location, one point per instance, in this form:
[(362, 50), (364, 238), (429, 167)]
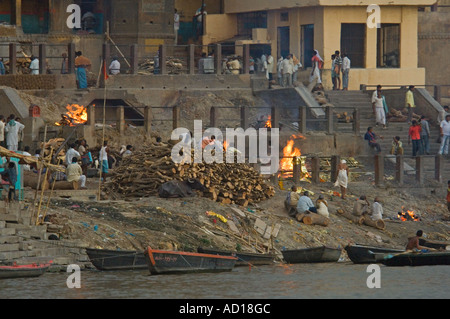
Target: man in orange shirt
[(414, 135)]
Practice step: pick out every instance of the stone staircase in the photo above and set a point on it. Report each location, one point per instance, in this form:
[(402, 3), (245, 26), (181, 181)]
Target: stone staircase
[(23, 242), (362, 101)]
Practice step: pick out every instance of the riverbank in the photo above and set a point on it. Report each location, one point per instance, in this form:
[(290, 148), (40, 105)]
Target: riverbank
[(187, 223)]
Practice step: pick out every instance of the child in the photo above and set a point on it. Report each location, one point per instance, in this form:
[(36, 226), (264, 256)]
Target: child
[(11, 175), (397, 146)]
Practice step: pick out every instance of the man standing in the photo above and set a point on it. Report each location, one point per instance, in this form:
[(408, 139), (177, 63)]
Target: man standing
[(270, 64), (378, 106), (414, 135), (74, 173), (72, 153), (103, 158), (345, 72), (2, 67), (337, 68), (2, 131), (287, 68), (445, 135), (333, 74), (81, 64), (425, 135), (34, 65), (13, 129), (176, 25), (409, 101), (315, 73)]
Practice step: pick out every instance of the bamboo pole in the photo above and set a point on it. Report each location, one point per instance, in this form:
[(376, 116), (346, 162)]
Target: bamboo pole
[(42, 190)]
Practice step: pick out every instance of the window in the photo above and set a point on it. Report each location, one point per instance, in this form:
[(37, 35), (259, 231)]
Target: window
[(284, 17), (248, 21), (307, 44), (388, 46), (353, 43)]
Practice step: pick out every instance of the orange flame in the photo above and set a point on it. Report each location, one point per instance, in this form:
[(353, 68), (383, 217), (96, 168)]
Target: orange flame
[(75, 115), (269, 122), (289, 154), (408, 215)]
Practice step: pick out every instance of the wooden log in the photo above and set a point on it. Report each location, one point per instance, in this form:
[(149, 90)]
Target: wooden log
[(379, 224), (315, 219), (355, 219)]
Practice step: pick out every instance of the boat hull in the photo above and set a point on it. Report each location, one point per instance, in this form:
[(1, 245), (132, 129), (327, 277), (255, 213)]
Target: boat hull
[(175, 262), (243, 259), (312, 255), (24, 271), (103, 259), (360, 254), (418, 259)]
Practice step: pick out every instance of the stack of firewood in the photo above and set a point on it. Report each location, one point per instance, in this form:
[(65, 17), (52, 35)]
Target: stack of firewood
[(147, 66), (142, 173), (344, 117)]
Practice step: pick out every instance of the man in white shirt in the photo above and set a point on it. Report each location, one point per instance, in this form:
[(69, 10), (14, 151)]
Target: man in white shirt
[(114, 67), (176, 25), (345, 72), (71, 153), (445, 135), (270, 64), (34, 65), (377, 210), (13, 129), (287, 68)]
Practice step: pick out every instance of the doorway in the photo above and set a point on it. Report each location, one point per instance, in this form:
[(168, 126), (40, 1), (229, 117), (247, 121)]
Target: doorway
[(283, 41), (307, 43)]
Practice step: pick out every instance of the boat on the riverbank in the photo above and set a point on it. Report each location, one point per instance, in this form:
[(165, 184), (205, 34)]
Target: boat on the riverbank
[(243, 258), (23, 271), (312, 255), (417, 259), (170, 262), (104, 259), (434, 244), (361, 254)]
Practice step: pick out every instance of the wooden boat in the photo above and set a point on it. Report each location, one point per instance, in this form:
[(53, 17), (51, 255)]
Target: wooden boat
[(104, 259), (417, 259), (243, 258), (23, 271), (170, 262), (312, 255), (434, 244), (360, 254)]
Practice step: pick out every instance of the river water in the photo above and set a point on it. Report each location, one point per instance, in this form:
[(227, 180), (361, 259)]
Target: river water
[(332, 280)]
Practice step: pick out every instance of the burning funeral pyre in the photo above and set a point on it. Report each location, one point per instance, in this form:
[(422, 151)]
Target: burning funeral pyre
[(75, 115)]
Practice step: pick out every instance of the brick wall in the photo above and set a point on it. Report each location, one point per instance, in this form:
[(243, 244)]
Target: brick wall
[(29, 82)]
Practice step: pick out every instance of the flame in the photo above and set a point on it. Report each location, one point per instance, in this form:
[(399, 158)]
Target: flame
[(291, 153), (408, 215), (75, 115), (269, 122), (225, 145)]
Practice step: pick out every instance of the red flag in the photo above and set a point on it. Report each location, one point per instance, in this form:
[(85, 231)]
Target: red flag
[(105, 73)]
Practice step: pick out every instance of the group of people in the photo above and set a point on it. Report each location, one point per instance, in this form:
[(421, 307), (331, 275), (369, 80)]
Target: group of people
[(11, 132), (297, 203), (362, 207), (340, 63), (288, 69)]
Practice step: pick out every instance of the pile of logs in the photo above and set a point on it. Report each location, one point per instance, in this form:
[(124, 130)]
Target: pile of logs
[(362, 220), (147, 66), (344, 117), (401, 116), (142, 173), (313, 219)]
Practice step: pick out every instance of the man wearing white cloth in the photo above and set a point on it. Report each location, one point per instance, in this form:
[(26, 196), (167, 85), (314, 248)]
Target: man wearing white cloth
[(342, 178)]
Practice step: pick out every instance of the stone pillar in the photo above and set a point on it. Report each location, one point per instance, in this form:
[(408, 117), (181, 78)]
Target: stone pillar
[(420, 171), (399, 169), (163, 59), (379, 170), (120, 116), (13, 58), (356, 122), (218, 59), (439, 167), (176, 117), (245, 123), (148, 117), (335, 160), (91, 115), (16, 13), (315, 165), (71, 57), (106, 54), (212, 117), (330, 120), (275, 117), (42, 59), (437, 93), (246, 57), (297, 170), (302, 119), (134, 58), (192, 59)]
